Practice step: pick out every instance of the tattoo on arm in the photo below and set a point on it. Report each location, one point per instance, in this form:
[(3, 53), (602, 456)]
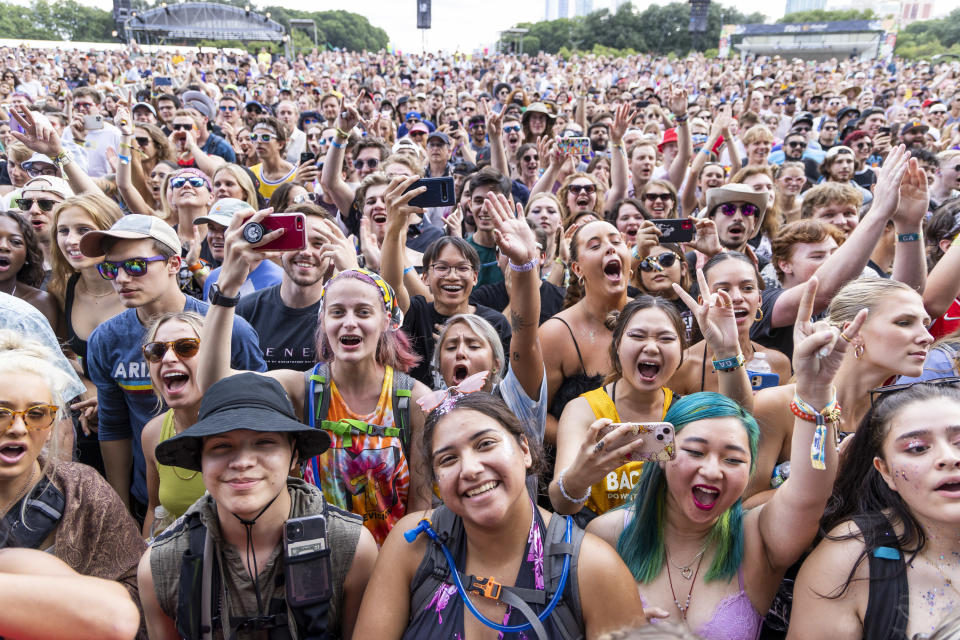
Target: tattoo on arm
[(517, 322)]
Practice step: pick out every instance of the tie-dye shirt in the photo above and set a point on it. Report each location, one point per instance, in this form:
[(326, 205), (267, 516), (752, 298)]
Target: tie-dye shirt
[(365, 474)]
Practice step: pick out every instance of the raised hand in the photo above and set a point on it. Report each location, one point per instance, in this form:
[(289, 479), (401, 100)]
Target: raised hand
[(886, 196), (494, 120), (398, 204), (914, 197), (337, 247), (715, 317), (819, 349), (706, 241), (678, 101), (514, 236), (241, 257), (38, 134), (349, 116), (621, 122), (454, 223), (648, 237)]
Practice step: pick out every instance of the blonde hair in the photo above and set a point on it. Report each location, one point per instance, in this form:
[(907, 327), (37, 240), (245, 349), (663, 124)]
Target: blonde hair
[(191, 318), (757, 133), (862, 293), (243, 179), (407, 159), (103, 211), (18, 152), (19, 354), (827, 193)]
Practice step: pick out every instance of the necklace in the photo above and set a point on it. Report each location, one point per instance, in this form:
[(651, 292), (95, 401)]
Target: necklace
[(686, 570), (175, 472), (96, 295), (686, 605), (23, 491)]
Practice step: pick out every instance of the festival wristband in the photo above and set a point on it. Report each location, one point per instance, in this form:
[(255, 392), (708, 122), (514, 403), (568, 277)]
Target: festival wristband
[(123, 159), (341, 133), (195, 267), (523, 268), (729, 364), (408, 270), (908, 237), (336, 144), (829, 413)]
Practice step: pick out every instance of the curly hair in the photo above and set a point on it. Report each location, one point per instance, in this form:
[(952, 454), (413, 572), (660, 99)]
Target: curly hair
[(31, 273)]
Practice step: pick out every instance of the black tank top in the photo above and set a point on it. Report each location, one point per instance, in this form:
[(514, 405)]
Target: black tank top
[(77, 344), (573, 386)]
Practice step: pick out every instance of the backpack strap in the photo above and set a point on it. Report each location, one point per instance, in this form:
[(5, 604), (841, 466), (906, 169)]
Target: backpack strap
[(888, 606), (199, 579), (400, 401), (317, 398), (569, 610), (433, 570)]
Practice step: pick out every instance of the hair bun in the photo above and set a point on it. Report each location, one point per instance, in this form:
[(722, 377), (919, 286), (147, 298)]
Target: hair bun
[(611, 320)]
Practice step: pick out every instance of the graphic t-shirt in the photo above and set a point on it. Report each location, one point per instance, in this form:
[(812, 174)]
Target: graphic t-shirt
[(365, 474)]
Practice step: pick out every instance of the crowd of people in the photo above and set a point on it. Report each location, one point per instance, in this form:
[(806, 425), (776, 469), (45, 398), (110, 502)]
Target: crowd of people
[(673, 355)]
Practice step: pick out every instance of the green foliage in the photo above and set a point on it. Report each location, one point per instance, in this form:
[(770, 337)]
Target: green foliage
[(821, 15), (657, 29), (927, 38)]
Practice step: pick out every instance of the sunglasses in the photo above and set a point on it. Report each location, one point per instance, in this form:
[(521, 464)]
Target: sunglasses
[(37, 417), (195, 181), (224, 108), (371, 163), (576, 189), (663, 197), (25, 204), (530, 158), (513, 128), (480, 125), (802, 129), (263, 137), (863, 145), (796, 144), (658, 263), (417, 134), (746, 209), (879, 393), (142, 141), (182, 348), (134, 267), (181, 127), (445, 399)]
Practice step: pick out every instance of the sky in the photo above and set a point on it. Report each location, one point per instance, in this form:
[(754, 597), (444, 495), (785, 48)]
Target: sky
[(469, 25)]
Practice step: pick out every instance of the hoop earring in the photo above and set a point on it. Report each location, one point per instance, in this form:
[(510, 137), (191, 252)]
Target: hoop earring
[(858, 351), (759, 315), (580, 282)]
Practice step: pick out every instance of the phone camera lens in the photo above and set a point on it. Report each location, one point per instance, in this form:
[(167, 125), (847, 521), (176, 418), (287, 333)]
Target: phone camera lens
[(659, 436), (294, 531)]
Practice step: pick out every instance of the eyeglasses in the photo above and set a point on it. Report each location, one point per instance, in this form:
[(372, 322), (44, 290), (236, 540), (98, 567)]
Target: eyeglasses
[(182, 348), (134, 267), (224, 108), (38, 417), (576, 189), (513, 128), (195, 181), (878, 393), (445, 399), (442, 268), (25, 204), (264, 137), (746, 209), (143, 142), (658, 263), (181, 126), (663, 197), (371, 163)]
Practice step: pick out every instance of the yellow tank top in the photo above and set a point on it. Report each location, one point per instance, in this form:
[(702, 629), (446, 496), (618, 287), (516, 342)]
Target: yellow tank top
[(266, 187), (613, 490), (179, 488)]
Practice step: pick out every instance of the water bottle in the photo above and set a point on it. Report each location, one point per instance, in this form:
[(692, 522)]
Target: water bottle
[(759, 363)]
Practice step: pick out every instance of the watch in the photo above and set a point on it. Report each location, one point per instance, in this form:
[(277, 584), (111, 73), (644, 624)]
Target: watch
[(217, 298)]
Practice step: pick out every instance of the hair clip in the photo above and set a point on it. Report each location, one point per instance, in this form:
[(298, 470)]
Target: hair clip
[(443, 400)]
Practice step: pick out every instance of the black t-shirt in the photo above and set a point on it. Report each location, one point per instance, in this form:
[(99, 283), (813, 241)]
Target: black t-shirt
[(866, 178), (495, 296), (286, 335), (779, 338), (419, 321)]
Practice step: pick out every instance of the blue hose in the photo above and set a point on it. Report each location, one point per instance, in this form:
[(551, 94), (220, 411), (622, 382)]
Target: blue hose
[(424, 527)]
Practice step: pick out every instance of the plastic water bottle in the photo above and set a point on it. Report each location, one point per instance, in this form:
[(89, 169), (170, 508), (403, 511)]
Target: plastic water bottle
[(759, 363)]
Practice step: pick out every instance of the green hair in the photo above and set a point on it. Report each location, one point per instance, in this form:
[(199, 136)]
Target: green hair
[(641, 543)]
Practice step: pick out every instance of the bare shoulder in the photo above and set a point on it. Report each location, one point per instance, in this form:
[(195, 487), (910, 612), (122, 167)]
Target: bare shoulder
[(608, 527), (772, 405), (150, 437), (419, 390)]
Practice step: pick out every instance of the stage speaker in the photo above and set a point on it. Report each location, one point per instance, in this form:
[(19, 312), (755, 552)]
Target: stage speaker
[(423, 14), (698, 15)]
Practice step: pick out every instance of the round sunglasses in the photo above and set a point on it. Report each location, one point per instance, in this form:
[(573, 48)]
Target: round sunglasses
[(182, 348), (746, 209), (134, 267)]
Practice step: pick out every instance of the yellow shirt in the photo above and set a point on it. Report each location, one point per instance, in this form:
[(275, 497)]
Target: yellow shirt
[(266, 187), (613, 490)]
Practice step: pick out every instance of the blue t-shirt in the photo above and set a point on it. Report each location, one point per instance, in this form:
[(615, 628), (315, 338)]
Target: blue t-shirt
[(265, 275), (217, 146), (124, 391)]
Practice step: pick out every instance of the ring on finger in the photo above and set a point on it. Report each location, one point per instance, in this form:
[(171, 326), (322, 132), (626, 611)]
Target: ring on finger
[(597, 448), (845, 338)]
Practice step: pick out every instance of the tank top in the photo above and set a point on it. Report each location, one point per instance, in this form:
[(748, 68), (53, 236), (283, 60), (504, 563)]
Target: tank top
[(365, 474), (77, 344), (266, 186), (612, 491), (179, 488), (575, 385)]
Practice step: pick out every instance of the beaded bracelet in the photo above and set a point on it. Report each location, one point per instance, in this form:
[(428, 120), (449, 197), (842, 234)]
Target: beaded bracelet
[(680, 119), (564, 493), (523, 268), (908, 237), (729, 364)]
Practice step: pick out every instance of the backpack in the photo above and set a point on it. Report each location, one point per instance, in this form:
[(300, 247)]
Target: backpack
[(434, 571)]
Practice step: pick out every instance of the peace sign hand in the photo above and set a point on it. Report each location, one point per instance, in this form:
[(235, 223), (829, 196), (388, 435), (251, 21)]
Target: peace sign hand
[(715, 317), (819, 349)]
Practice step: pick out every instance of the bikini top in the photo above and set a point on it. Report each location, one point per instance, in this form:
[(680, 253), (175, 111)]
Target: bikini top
[(575, 385)]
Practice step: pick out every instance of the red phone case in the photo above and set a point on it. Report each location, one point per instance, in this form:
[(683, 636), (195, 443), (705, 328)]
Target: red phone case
[(295, 236)]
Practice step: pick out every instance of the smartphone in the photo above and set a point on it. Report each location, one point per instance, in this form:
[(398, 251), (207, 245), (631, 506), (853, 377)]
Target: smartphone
[(884, 131), (763, 380), (439, 193), (162, 81), (454, 124), (676, 229), (306, 560), (658, 438), (295, 237), (92, 123), (578, 146), (14, 125), (307, 157)]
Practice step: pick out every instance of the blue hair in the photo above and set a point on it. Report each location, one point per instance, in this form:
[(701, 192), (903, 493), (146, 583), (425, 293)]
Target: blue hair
[(641, 543)]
